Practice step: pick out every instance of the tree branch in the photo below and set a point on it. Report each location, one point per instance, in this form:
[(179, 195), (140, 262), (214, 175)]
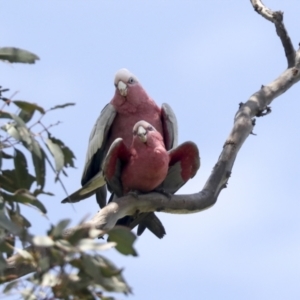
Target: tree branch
[(107, 217), (276, 17)]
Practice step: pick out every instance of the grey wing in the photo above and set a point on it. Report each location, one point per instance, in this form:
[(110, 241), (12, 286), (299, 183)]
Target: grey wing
[(173, 181), (170, 127), (97, 143), (117, 155), (87, 189), (184, 164)]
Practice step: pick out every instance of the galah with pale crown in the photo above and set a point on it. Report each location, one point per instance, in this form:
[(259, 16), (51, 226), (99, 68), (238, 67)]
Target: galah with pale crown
[(130, 104), (147, 166)]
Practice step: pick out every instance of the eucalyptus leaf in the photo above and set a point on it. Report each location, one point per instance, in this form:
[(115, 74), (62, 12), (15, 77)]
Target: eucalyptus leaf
[(9, 181), (25, 115), (124, 239), (42, 241), (9, 225), (88, 244), (57, 153), (25, 197), (11, 129), (5, 115), (59, 228), (39, 167), (25, 254), (28, 107), (50, 279), (21, 170), (18, 219), (112, 279), (68, 153), (17, 55)]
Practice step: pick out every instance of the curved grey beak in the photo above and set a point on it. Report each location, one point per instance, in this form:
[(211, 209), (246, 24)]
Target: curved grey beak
[(142, 134)]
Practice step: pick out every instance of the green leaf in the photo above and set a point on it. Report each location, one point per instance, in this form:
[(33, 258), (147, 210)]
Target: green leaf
[(64, 245), (88, 244), (9, 181), (26, 116), (21, 170), (62, 105), (39, 167), (59, 228), (124, 239), (20, 132), (28, 107), (17, 55), (24, 134), (112, 279), (18, 219), (25, 197), (42, 241), (5, 115), (91, 267), (77, 235), (12, 130), (18, 120), (67, 152), (57, 153), (36, 148), (5, 223), (25, 254), (41, 192)]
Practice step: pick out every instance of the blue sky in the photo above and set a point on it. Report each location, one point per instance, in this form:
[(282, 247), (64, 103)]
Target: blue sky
[(203, 58)]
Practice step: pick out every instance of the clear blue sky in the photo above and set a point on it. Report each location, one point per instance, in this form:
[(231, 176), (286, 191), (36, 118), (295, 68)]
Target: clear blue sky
[(203, 58)]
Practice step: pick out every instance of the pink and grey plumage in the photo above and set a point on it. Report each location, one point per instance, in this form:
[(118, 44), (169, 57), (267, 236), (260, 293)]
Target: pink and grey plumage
[(148, 166), (144, 165), (129, 104)]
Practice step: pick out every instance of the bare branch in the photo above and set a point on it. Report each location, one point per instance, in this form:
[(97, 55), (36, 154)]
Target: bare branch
[(244, 121), (276, 17)]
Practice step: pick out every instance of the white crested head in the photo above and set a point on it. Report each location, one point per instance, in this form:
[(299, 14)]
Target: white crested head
[(144, 124), (125, 76)]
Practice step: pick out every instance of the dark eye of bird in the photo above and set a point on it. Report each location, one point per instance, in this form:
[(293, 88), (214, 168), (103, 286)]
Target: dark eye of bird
[(130, 80), (150, 128), (134, 132)]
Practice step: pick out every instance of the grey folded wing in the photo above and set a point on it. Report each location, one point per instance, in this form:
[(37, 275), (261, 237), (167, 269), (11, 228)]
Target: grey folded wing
[(86, 190), (92, 180), (170, 127), (98, 143), (117, 156), (184, 164)]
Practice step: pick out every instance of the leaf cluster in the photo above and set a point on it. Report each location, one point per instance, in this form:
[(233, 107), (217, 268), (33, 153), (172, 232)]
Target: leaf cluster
[(66, 266)]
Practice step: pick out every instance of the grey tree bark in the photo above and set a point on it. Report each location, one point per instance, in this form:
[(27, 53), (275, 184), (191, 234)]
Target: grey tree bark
[(256, 106)]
